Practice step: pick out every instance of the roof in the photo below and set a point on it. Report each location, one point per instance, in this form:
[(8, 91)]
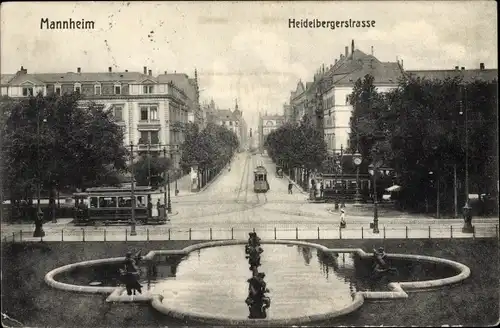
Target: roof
[(224, 114), (467, 74), (183, 82), (6, 78), (81, 77)]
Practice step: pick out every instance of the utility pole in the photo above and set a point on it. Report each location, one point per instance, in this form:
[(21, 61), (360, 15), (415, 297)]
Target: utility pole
[(455, 196), (132, 180)]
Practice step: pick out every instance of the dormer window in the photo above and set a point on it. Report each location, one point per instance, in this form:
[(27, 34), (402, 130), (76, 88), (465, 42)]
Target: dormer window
[(57, 89), (77, 88), (27, 91), (97, 89), (118, 89), (147, 89)]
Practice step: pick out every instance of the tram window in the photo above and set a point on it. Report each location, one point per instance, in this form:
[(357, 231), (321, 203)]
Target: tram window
[(107, 202), (124, 201), (140, 201), (93, 202)]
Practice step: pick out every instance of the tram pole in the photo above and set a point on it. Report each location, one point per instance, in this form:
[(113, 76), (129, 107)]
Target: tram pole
[(132, 179)]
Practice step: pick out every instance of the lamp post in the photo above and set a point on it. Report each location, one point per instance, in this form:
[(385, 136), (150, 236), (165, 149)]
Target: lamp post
[(169, 204), (165, 187), (357, 159), (373, 170), (132, 189), (149, 164), (39, 232), (177, 175), (467, 228), (342, 203)]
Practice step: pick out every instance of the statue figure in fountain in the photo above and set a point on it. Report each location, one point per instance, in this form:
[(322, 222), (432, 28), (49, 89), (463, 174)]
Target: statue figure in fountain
[(130, 273), (257, 300), (253, 250), (381, 264)]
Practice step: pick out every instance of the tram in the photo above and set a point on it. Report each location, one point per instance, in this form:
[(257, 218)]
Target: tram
[(260, 183), (114, 205)]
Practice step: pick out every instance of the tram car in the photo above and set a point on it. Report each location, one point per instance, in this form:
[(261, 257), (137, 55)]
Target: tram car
[(105, 205), (260, 183)]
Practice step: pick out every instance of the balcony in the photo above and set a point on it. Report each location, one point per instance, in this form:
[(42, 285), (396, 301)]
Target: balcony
[(149, 125), (153, 147), (177, 126)]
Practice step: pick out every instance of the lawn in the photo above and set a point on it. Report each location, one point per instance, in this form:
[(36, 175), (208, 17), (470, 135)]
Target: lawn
[(27, 298)]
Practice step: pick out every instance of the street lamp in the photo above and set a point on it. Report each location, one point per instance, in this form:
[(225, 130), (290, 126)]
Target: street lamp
[(39, 232), (357, 159), (342, 204), (177, 171), (169, 204), (467, 228), (373, 170), (132, 189)]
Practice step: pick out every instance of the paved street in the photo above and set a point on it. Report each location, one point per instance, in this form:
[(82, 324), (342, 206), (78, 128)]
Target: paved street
[(230, 208)]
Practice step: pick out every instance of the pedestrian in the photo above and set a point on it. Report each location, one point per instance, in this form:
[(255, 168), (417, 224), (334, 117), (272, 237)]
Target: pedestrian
[(290, 187), (321, 189), (342, 218), (150, 208)]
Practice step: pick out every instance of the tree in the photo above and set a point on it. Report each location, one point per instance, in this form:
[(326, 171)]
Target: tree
[(53, 140), (297, 145), (417, 128), (151, 167), (214, 146)]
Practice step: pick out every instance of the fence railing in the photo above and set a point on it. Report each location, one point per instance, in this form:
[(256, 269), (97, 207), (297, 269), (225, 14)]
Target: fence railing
[(160, 233)]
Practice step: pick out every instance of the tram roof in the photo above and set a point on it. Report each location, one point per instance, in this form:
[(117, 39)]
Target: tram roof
[(115, 190), (260, 169)]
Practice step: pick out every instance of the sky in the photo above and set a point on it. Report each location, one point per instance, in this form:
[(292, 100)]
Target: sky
[(245, 51)]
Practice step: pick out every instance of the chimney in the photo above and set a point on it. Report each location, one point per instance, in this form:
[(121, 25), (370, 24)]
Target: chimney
[(481, 66), (145, 70), (463, 68), (341, 56), (23, 70), (150, 72), (126, 70), (372, 50), (165, 72), (78, 69), (456, 68), (336, 61), (109, 69), (346, 51), (402, 63), (352, 47)]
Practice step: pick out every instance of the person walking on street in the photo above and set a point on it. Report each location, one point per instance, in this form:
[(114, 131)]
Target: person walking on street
[(290, 187), (342, 218)]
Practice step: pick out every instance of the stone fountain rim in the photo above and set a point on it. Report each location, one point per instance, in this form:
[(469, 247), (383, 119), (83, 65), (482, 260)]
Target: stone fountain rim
[(398, 290)]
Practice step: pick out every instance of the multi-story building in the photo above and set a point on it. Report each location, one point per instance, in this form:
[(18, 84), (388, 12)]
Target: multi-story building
[(267, 124), (151, 110), (232, 120), (338, 87), (326, 99)]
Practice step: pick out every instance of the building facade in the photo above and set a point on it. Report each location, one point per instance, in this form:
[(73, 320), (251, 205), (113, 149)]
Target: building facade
[(233, 120), (267, 124), (151, 110)]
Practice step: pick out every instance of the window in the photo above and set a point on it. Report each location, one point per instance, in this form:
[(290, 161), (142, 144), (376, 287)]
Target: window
[(107, 202), (93, 202), (124, 201), (231, 123), (97, 89), (149, 137), (118, 113), (57, 90), (144, 114), (77, 87), (148, 89), (118, 89), (149, 113), (28, 91)]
